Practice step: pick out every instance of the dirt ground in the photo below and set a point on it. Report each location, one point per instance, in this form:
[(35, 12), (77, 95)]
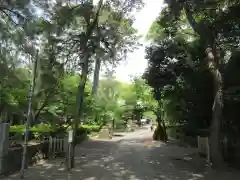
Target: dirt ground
[(131, 156)]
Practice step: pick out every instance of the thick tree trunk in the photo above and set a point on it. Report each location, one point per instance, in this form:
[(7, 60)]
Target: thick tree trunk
[(208, 35), (164, 126), (165, 131), (96, 79), (160, 131), (215, 150), (82, 83), (96, 76)]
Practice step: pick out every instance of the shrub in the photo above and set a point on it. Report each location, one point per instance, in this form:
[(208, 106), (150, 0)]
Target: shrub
[(42, 128), (17, 129), (36, 132), (16, 132), (91, 128), (40, 131)]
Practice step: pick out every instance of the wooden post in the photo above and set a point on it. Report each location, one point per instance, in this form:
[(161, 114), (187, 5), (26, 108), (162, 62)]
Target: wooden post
[(54, 147), (203, 147), (4, 143), (70, 149), (61, 145), (50, 147)]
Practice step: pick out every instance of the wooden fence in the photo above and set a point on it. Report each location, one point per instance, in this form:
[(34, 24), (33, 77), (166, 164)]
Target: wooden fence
[(57, 146)]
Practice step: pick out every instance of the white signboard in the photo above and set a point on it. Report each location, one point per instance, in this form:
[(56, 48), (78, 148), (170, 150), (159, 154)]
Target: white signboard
[(70, 136)]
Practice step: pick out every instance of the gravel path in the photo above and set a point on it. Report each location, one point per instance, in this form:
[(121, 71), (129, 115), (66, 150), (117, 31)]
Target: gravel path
[(131, 157)]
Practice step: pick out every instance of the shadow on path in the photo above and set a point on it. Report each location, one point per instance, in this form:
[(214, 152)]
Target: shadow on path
[(133, 158)]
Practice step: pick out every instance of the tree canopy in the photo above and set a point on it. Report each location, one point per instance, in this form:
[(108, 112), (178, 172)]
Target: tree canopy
[(193, 46), (49, 50)]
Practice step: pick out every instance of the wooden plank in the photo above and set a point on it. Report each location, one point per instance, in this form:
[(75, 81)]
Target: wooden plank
[(203, 146), (50, 147)]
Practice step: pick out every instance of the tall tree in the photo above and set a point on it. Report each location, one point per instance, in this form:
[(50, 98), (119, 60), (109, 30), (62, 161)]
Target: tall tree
[(116, 32), (204, 18)]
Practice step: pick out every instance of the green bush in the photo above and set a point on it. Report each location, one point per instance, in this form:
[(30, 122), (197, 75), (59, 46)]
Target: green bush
[(90, 128), (37, 128), (17, 129), (42, 128), (40, 131)]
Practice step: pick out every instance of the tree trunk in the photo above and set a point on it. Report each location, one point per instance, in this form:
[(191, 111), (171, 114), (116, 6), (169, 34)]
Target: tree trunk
[(215, 150), (165, 131), (82, 83), (96, 79), (29, 116), (163, 122), (79, 105), (2, 106), (160, 131), (113, 126), (96, 76), (208, 35)]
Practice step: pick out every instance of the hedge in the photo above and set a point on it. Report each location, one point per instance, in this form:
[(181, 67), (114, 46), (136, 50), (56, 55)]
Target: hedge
[(43, 130)]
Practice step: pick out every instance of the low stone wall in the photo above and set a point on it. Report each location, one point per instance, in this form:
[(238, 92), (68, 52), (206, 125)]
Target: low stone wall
[(12, 160), (177, 134)]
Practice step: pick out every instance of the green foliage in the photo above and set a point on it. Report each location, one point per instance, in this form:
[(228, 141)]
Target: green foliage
[(41, 128), (40, 131), (151, 115), (62, 34), (91, 128), (176, 72), (107, 101), (180, 73)]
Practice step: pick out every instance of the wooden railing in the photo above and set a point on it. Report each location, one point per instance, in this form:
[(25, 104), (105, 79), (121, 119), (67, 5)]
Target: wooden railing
[(57, 146)]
